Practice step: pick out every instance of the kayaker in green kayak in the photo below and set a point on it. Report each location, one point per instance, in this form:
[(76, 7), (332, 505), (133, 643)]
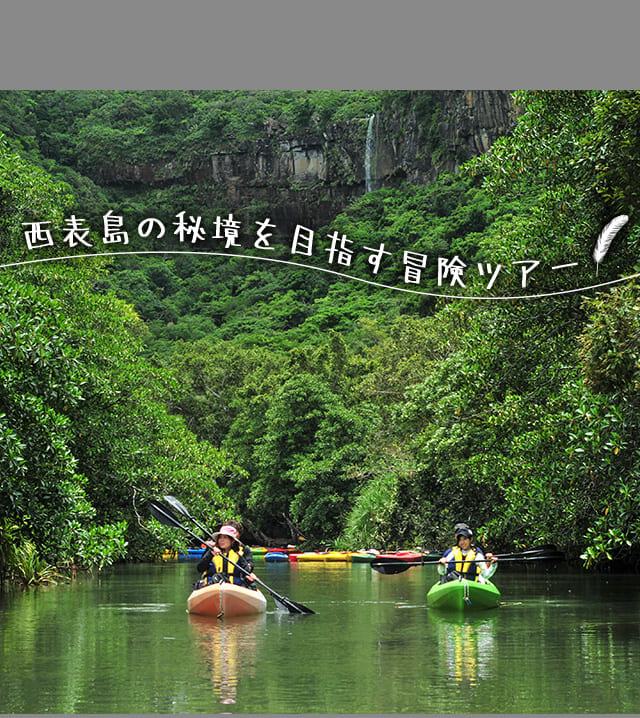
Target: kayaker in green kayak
[(464, 560)]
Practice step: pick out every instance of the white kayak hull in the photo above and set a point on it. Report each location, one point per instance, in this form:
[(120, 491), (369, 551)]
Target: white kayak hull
[(226, 599)]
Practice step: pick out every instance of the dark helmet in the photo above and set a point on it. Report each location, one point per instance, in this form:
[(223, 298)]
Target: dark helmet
[(462, 530)]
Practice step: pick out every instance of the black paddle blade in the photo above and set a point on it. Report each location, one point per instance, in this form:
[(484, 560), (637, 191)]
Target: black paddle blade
[(292, 606), (284, 602), (178, 505), (182, 509), (544, 556), (164, 514), (388, 565), (547, 548)]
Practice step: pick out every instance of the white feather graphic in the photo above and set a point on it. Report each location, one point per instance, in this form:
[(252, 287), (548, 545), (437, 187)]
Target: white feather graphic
[(606, 236)]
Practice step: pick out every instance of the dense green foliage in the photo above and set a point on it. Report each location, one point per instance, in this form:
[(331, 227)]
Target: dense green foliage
[(186, 297), (84, 432), (313, 406)]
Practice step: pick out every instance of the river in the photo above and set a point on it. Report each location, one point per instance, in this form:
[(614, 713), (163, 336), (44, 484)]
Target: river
[(121, 642)]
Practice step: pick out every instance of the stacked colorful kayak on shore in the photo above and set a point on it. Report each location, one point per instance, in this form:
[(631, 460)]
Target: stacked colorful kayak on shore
[(414, 558), (284, 555), (400, 561), (322, 556), (192, 554), (276, 557), (319, 556)]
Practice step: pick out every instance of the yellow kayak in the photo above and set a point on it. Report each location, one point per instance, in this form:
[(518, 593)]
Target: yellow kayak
[(322, 556)]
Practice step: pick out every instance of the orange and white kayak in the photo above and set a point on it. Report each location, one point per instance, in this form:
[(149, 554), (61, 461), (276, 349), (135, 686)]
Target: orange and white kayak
[(226, 599)]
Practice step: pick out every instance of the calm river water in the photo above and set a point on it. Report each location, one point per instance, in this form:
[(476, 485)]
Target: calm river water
[(122, 642)]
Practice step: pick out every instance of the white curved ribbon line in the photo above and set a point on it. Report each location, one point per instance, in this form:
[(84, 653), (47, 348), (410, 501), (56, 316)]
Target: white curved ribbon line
[(328, 271)]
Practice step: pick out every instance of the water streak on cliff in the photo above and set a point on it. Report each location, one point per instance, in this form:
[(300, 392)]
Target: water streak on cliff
[(371, 156)]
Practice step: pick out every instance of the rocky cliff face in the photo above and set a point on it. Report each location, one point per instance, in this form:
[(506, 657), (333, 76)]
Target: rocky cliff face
[(473, 120), (461, 125), (310, 177)]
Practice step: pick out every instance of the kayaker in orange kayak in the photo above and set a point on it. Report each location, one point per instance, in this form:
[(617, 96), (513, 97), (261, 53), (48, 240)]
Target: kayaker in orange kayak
[(225, 544), (464, 560)]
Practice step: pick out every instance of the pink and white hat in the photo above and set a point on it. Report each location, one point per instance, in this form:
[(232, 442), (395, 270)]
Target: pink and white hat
[(227, 531)]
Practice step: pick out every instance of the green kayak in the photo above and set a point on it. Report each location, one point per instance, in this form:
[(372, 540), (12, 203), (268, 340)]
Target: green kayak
[(462, 595)]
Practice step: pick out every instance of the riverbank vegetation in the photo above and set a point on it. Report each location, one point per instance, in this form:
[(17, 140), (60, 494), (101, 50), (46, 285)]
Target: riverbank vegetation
[(310, 405)]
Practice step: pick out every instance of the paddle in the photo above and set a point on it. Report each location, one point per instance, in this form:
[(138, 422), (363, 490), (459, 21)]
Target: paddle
[(165, 516), (182, 509), (390, 565)]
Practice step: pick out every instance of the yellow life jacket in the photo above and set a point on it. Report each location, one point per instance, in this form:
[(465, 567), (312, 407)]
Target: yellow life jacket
[(463, 563), (223, 566)]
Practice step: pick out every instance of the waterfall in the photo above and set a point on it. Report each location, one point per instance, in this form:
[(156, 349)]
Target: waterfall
[(371, 156)]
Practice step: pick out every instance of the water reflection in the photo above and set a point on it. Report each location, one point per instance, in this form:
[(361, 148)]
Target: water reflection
[(121, 643), (228, 646), (466, 644)]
